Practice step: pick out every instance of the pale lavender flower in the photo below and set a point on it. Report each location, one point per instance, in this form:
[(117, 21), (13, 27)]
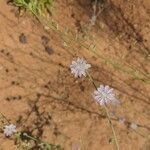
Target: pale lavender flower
[(9, 129), (104, 95), (122, 120), (79, 67), (75, 147), (133, 126)]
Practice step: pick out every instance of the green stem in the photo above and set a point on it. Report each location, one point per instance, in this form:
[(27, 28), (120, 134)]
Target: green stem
[(107, 114), (91, 79), (112, 127), (30, 137), (34, 139)]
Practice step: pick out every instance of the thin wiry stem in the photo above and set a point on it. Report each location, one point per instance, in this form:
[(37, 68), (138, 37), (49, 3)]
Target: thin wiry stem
[(107, 113), (5, 118), (112, 127), (30, 137)]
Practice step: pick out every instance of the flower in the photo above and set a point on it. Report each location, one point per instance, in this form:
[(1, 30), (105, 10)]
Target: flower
[(9, 129), (104, 95), (75, 147), (25, 134), (79, 67), (122, 120), (133, 126)]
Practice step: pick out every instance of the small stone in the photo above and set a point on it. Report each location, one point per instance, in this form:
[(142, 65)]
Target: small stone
[(49, 50), (7, 70), (2, 51), (23, 38), (82, 88), (8, 99), (45, 40), (13, 82), (19, 97), (38, 95), (8, 54), (14, 98)]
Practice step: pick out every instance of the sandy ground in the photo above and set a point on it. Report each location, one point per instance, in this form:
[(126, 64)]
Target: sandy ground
[(40, 95)]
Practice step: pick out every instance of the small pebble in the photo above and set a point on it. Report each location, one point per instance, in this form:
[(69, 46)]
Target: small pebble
[(2, 50), (45, 40), (13, 98), (7, 70), (8, 54), (49, 50), (8, 99), (19, 97), (23, 38), (13, 82), (82, 88), (38, 95)]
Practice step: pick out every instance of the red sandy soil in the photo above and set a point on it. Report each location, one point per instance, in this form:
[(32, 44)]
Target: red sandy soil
[(40, 95)]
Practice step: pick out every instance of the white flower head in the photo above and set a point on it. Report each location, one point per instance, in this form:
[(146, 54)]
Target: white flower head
[(133, 126), (79, 67), (9, 129), (104, 95)]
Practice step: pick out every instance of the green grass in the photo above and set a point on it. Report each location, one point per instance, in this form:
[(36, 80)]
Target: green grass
[(37, 7)]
